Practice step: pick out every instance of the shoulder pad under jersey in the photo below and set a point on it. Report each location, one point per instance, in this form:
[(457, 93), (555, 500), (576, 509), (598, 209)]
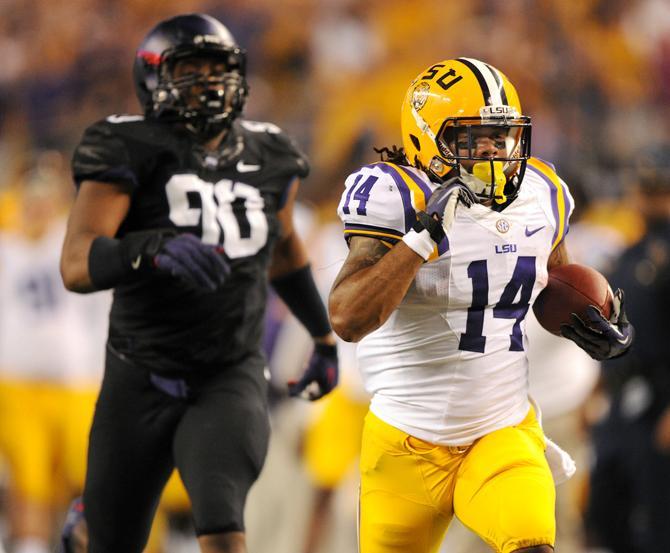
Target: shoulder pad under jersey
[(381, 201), (111, 150), (279, 144), (553, 194)]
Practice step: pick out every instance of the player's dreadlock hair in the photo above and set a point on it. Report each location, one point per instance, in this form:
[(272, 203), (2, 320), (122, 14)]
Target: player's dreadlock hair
[(392, 155)]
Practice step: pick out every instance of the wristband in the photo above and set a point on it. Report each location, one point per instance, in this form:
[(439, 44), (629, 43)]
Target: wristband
[(420, 243), (112, 261), (298, 291), (326, 350), (106, 263)]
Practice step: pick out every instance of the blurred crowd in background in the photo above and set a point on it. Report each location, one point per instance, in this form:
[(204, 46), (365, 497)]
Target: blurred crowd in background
[(594, 75)]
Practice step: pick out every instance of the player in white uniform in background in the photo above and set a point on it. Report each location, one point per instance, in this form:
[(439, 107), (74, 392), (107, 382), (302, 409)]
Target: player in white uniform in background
[(50, 368), (450, 243)]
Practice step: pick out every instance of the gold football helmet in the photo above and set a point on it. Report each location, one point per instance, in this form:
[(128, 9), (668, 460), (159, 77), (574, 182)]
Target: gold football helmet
[(463, 117)]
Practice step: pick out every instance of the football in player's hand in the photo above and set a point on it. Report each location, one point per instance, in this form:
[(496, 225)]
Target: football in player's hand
[(571, 289)]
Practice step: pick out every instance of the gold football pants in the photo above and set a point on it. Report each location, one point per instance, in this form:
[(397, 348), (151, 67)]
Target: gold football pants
[(500, 487)]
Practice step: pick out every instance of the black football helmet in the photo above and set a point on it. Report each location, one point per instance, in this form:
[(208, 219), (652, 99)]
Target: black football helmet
[(205, 104)]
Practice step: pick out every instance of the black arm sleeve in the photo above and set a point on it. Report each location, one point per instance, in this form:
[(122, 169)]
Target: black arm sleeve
[(298, 291)]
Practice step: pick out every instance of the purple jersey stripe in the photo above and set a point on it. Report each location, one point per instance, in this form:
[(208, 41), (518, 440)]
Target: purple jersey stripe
[(355, 227), (569, 206), (410, 214), (443, 246), (554, 199), (358, 226), (421, 184), (547, 163)]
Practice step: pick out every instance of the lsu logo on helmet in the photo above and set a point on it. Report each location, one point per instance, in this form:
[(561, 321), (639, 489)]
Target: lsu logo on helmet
[(452, 104)]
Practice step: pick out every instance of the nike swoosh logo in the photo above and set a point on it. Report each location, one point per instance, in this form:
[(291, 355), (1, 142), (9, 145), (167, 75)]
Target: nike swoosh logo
[(135, 263), (244, 168), (531, 232), (624, 340)]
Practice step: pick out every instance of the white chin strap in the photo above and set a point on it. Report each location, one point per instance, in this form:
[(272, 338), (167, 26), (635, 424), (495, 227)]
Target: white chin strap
[(475, 184)]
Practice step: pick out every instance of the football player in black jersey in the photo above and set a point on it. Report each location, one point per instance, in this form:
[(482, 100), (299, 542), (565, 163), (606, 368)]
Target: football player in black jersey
[(186, 211)]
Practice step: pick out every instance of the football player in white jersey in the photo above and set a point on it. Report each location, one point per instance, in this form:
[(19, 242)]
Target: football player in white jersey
[(50, 367), (450, 241)]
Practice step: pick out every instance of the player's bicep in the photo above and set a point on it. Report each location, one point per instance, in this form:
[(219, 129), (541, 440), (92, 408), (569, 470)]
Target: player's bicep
[(289, 252), (98, 210), (285, 214), (363, 252)]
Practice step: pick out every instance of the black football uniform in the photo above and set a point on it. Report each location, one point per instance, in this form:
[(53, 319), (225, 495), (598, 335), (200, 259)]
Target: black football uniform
[(183, 382), (161, 324)]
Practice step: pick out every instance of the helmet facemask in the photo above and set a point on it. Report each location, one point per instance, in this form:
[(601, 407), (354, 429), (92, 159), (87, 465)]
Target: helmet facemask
[(488, 153), (205, 101)]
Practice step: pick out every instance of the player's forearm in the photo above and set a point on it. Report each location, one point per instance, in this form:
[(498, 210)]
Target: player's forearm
[(362, 301), (98, 210), (74, 262), (291, 277), (289, 255)]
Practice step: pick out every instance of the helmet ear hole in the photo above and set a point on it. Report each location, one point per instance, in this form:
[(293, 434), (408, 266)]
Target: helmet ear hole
[(415, 141)]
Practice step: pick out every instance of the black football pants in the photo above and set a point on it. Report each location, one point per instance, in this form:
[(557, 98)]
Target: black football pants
[(216, 435)]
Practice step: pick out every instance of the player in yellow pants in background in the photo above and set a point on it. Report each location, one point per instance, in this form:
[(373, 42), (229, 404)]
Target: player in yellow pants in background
[(49, 366), (43, 439), (331, 448)]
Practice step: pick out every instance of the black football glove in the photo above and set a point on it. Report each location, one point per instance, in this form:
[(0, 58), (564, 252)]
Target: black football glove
[(321, 375), (600, 338), (182, 256), (440, 210)]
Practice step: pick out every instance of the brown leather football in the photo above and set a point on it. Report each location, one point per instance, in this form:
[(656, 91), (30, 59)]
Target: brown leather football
[(571, 289)]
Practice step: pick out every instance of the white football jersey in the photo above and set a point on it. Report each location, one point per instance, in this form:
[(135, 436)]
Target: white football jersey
[(450, 365), (47, 333)]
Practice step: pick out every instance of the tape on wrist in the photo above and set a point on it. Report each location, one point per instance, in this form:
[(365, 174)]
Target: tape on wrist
[(419, 242)]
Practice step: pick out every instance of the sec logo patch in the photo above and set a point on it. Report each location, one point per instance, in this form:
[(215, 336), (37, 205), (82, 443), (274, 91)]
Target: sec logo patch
[(502, 225)]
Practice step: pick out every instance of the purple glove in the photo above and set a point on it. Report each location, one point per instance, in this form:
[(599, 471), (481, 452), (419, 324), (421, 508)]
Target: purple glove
[(73, 527), (600, 338), (441, 207), (188, 259), (321, 375)]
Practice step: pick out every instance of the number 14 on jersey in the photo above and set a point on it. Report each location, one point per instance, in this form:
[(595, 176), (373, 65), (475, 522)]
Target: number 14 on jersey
[(521, 285)]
